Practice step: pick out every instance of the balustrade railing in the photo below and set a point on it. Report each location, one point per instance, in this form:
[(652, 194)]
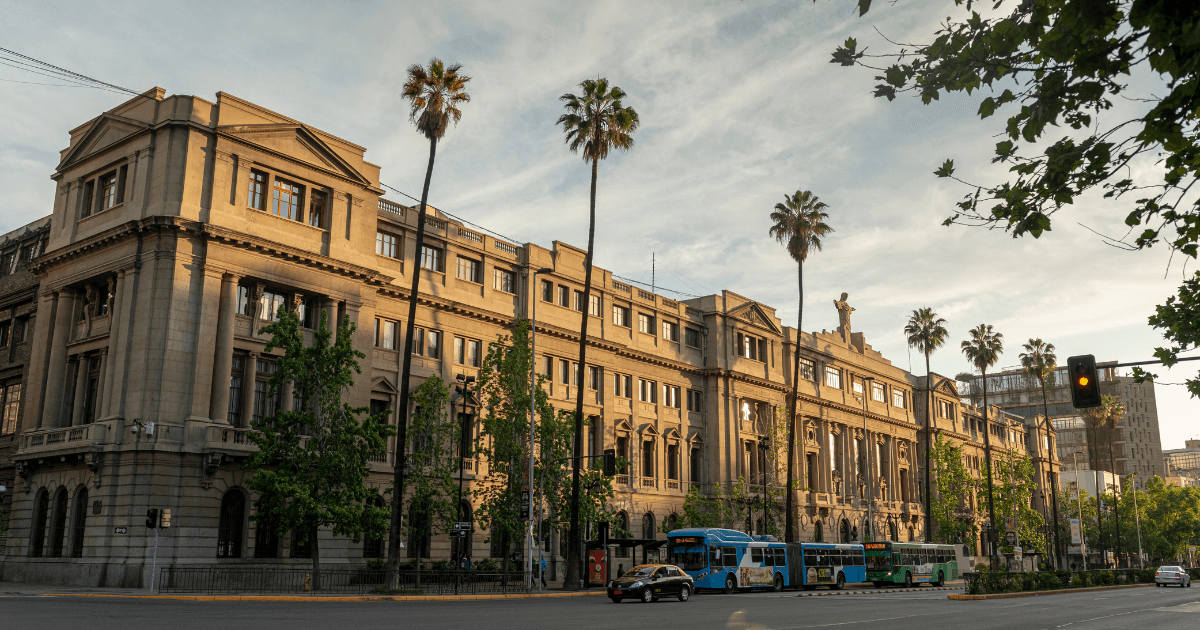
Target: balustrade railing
[(505, 247)]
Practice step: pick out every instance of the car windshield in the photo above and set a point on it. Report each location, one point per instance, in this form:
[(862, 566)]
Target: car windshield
[(640, 572)]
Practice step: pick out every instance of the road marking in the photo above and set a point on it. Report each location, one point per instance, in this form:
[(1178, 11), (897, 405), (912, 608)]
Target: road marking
[(1190, 607)]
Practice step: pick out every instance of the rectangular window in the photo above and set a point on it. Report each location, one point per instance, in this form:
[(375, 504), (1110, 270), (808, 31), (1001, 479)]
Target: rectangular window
[(387, 244), (469, 270), (695, 401), (577, 302), (670, 331), (647, 391), (691, 337), (564, 296), (10, 406), (808, 370), (317, 205), (257, 197), (946, 409), (269, 305), (108, 191), (466, 352), (646, 323), (833, 377), (877, 393), (234, 414), (622, 385), (751, 347), (20, 330), (474, 352), (593, 377), (434, 344), (547, 291), (287, 199), (564, 371), (460, 350), (418, 343), (503, 280), (594, 305), (431, 258), (671, 396), (899, 399), (856, 385), (89, 190), (5, 329), (621, 315), (386, 333)]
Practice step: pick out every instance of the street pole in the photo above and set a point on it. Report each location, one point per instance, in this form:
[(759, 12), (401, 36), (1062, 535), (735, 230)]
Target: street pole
[(868, 535), (532, 405), (1079, 499), (764, 445), (462, 442)]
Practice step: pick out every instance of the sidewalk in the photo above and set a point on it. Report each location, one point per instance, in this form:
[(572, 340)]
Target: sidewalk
[(37, 590)]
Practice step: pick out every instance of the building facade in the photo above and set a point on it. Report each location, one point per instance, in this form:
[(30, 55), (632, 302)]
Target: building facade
[(1184, 462), (181, 225)]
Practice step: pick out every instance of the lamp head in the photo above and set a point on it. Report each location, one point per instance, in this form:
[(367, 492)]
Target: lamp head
[(543, 270)]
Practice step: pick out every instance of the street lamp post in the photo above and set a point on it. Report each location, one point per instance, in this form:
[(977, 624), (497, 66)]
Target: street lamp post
[(1138, 519), (764, 445), (463, 390), (869, 535), (1079, 502), (532, 410)]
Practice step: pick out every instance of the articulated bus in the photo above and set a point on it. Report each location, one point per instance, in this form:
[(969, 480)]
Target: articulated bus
[(729, 560), (909, 563)]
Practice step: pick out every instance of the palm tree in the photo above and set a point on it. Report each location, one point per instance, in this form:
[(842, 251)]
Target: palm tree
[(799, 225), (1102, 423), (927, 332), (595, 123), (435, 93), (1039, 363), (983, 350)]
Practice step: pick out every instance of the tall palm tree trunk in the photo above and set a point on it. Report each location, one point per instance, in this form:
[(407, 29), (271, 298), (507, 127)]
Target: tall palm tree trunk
[(987, 453), (1053, 486), (928, 449), (788, 532), (572, 580), (393, 560)]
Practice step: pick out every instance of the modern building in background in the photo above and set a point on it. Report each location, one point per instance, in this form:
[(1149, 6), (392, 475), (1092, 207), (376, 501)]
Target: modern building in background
[(1184, 462), (1135, 441), (181, 225)]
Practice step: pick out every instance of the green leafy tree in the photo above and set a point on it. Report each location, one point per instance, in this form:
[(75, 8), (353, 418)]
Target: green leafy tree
[(950, 503), (926, 332), (1170, 518), (799, 224), (1014, 494), (596, 122), (310, 469), (435, 94), (983, 350), (1070, 503), (432, 466), (1055, 68), (1039, 363)]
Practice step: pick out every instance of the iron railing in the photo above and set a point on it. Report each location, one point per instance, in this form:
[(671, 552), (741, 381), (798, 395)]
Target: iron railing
[(336, 581)]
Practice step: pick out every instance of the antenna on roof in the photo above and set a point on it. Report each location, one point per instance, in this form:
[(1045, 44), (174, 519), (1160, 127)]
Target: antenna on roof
[(653, 289)]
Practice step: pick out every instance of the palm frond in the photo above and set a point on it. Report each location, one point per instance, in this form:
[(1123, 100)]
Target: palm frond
[(435, 94)]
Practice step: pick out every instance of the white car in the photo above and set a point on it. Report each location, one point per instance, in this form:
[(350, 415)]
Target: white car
[(1172, 575)]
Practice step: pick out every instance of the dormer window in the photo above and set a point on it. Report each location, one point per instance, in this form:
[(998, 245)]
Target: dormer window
[(287, 199), (105, 192)]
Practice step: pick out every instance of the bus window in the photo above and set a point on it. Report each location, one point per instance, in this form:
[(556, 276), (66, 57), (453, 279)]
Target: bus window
[(858, 558), (780, 558), (896, 558), (714, 557), (768, 557), (810, 557), (756, 555), (729, 556)]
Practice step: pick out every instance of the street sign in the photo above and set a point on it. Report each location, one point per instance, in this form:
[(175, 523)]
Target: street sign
[(462, 525), (1017, 553), (1075, 531), (525, 506), (121, 530), (1010, 524)]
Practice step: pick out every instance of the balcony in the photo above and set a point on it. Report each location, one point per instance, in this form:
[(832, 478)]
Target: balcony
[(623, 480), (672, 484), (649, 482), (66, 439), (229, 439)]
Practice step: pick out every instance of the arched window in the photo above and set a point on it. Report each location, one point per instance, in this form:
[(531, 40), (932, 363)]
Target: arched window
[(230, 523), (41, 508), (817, 531), (373, 547), (79, 521), (758, 527), (58, 529), (911, 535), (622, 525), (648, 532), (266, 539), (845, 531), (672, 522), (460, 547)]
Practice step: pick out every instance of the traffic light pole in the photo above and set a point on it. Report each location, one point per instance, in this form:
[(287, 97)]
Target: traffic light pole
[(154, 561)]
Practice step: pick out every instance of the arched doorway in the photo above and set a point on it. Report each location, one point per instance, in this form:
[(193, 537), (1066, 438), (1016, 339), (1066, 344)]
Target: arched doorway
[(41, 507), (79, 521), (817, 532), (58, 528), (230, 524), (373, 547), (845, 537)]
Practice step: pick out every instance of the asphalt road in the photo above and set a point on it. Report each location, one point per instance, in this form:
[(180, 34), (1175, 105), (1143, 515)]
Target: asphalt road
[(1138, 608)]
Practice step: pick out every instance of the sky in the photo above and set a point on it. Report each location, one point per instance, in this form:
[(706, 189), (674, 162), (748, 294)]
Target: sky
[(738, 105)]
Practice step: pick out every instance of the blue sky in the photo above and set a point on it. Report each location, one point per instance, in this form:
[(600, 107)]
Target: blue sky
[(738, 105)]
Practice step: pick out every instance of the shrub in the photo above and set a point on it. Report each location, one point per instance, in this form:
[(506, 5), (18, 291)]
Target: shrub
[(1048, 581), (487, 564), (1102, 578), (1080, 580), (441, 565), (376, 565)]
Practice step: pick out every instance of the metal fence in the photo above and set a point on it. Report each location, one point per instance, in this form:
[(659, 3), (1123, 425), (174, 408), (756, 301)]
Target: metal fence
[(337, 581)]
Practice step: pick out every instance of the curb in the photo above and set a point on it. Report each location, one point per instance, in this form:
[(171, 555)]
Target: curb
[(1039, 593), (332, 598), (884, 590)]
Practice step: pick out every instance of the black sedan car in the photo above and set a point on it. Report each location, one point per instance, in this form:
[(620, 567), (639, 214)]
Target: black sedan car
[(649, 582)]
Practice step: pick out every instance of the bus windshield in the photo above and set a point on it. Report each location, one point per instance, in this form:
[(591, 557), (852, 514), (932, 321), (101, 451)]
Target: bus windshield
[(882, 562), (689, 556)]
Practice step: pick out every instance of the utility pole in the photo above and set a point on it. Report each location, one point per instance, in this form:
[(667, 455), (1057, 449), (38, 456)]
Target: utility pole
[(1079, 499)]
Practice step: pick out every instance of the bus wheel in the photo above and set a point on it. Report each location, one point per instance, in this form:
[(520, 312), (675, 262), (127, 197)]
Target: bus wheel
[(778, 584), (730, 584), (877, 584), (941, 579), (841, 582), (907, 579)]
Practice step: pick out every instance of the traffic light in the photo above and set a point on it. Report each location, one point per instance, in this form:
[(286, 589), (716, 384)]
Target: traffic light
[(1085, 384), (610, 462), (152, 518)]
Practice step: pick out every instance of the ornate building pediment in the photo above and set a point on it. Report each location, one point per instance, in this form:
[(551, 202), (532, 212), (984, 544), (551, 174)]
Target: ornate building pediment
[(298, 142), (754, 314), (106, 130)]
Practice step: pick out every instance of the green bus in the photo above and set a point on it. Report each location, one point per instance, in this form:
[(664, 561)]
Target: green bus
[(910, 563)]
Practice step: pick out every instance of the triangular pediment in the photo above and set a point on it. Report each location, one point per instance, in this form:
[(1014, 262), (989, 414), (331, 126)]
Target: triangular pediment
[(107, 130), (382, 384), (947, 387), (296, 141), (754, 315)]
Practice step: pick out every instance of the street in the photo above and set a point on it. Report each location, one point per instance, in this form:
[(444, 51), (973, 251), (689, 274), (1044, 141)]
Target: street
[(1161, 609)]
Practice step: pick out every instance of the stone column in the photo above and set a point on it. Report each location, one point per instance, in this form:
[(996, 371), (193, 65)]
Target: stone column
[(100, 386), (116, 311), (248, 377), (57, 364), (80, 393), (287, 396), (330, 306), (207, 321), (218, 406)]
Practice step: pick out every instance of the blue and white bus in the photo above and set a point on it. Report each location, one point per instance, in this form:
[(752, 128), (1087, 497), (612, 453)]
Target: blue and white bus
[(729, 560)]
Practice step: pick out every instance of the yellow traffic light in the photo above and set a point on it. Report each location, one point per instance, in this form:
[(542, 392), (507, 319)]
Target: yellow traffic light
[(1083, 381)]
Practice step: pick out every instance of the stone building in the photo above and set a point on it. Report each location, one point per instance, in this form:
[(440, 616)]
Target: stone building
[(180, 225)]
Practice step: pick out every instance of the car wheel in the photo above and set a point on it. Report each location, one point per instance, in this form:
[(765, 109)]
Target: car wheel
[(684, 593), (841, 582), (1157, 585), (941, 579), (778, 584), (647, 596), (615, 600), (730, 584), (908, 579)]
